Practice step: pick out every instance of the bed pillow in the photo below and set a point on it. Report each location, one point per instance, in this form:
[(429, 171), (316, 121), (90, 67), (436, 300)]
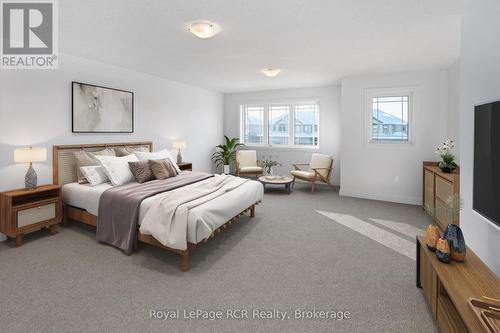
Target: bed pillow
[(94, 174), (86, 158), (141, 171), (158, 155), (124, 151), (162, 169), (117, 169)]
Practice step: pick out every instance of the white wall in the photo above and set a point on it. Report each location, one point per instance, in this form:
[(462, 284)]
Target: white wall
[(35, 109), (453, 108), (390, 172), (480, 83), (329, 99)]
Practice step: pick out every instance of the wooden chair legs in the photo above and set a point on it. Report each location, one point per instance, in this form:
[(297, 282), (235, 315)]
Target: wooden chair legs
[(185, 260), (293, 181)]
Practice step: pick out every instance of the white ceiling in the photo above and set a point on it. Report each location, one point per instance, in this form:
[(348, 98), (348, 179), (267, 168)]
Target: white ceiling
[(314, 42)]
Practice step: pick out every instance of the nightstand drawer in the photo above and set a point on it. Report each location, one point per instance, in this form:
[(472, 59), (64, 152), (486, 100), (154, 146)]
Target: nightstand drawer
[(36, 214)]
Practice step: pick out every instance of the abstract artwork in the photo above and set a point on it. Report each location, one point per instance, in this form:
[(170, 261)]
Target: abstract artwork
[(102, 110)]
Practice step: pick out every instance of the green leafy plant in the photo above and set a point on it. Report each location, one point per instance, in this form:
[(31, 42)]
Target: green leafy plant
[(269, 163), (226, 152), (448, 159)]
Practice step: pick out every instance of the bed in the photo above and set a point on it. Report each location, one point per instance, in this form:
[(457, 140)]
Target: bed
[(81, 201)]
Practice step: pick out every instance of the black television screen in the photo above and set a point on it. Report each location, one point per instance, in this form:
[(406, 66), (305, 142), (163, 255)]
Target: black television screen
[(486, 193)]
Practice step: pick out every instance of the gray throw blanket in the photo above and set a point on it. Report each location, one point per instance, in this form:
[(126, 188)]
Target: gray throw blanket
[(118, 216)]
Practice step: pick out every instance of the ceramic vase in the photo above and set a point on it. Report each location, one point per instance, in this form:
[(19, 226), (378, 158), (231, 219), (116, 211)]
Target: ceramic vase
[(432, 235), (227, 169), (456, 240), (443, 250)]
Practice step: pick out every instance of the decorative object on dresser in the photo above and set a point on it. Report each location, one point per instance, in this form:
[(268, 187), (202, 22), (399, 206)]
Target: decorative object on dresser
[(226, 153), (320, 169), (179, 145), (30, 155), (453, 234), (448, 288), (185, 166), (447, 163), (277, 180), (247, 163), (23, 211), (443, 252), (439, 187), (97, 109), (432, 235)]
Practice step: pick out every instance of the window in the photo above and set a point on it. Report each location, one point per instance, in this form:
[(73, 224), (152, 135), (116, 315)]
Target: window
[(283, 124), (389, 117)]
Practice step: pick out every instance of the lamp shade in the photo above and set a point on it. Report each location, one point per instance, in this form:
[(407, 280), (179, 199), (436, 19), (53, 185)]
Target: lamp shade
[(179, 145), (28, 155)]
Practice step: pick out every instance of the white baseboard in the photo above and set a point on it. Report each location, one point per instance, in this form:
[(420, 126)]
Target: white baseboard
[(383, 197)]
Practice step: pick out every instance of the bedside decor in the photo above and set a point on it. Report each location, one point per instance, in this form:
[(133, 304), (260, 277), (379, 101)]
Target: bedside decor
[(179, 145), (448, 159), (30, 155), (443, 250), (226, 153), (98, 109)]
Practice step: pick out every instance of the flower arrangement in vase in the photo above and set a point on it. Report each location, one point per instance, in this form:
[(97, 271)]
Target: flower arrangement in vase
[(447, 163), (268, 164)]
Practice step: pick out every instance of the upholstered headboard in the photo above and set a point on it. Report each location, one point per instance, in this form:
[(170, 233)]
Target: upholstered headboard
[(63, 160)]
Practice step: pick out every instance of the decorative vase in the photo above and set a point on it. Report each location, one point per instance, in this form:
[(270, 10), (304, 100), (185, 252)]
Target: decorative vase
[(432, 235), (456, 240), (227, 169), (447, 169), (443, 250)]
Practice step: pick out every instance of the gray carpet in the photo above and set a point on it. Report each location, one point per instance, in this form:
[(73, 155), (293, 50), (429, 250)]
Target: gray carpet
[(288, 257)]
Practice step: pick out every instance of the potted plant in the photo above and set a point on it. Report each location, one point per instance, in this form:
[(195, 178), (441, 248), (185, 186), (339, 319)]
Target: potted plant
[(447, 164), (268, 164), (226, 153)]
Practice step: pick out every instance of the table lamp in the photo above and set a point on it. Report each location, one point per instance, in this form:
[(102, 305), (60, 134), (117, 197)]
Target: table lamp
[(179, 145), (30, 155)]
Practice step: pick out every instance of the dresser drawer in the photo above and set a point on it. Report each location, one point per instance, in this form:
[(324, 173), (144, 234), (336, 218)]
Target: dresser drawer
[(444, 189), (34, 215)]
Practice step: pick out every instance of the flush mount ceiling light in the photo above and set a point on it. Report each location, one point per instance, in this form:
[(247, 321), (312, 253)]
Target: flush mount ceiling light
[(271, 72), (204, 29)]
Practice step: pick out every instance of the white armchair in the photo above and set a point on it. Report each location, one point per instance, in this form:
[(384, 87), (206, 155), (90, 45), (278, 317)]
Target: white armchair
[(320, 169), (247, 164)]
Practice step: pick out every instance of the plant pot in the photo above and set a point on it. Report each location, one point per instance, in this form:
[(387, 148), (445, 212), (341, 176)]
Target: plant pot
[(447, 169), (227, 169), (432, 235), (456, 240), (443, 250)]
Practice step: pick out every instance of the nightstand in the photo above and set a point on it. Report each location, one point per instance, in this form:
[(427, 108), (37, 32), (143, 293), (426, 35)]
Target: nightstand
[(185, 166), (23, 211)]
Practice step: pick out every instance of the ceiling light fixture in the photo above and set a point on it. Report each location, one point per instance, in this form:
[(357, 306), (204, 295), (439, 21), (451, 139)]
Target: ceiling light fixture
[(204, 29), (271, 72)]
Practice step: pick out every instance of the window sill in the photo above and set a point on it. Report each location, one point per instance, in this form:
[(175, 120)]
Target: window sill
[(278, 148)]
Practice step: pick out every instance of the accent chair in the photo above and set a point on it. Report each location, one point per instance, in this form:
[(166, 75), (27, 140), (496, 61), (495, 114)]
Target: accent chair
[(247, 164), (320, 169)]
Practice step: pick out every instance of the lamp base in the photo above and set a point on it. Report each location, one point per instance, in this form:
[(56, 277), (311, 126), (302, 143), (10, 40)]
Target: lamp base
[(30, 180), (179, 157)]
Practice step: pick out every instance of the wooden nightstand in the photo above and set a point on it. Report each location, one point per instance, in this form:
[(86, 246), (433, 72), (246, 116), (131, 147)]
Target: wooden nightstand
[(23, 211), (185, 166)]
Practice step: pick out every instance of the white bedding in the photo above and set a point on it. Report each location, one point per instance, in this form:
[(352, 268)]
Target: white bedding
[(202, 220)]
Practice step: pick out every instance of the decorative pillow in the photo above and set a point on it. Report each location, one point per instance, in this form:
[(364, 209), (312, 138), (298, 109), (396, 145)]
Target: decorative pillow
[(86, 158), (124, 151), (117, 169), (158, 155), (141, 171), (162, 169), (94, 174)]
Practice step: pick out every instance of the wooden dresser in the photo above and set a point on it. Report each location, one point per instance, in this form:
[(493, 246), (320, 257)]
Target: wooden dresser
[(447, 288), (438, 188)]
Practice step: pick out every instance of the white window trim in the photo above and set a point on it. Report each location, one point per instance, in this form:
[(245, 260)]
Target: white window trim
[(291, 131), (369, 94)]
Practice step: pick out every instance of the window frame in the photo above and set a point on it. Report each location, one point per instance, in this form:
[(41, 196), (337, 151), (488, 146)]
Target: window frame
[(411, 92), (291, 124)]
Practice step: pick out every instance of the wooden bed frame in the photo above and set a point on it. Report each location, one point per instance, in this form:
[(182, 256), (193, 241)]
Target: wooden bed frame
[(64, 171)]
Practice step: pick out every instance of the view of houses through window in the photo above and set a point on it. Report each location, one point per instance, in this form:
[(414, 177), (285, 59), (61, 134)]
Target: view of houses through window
[(390, 118), (290, 125)]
